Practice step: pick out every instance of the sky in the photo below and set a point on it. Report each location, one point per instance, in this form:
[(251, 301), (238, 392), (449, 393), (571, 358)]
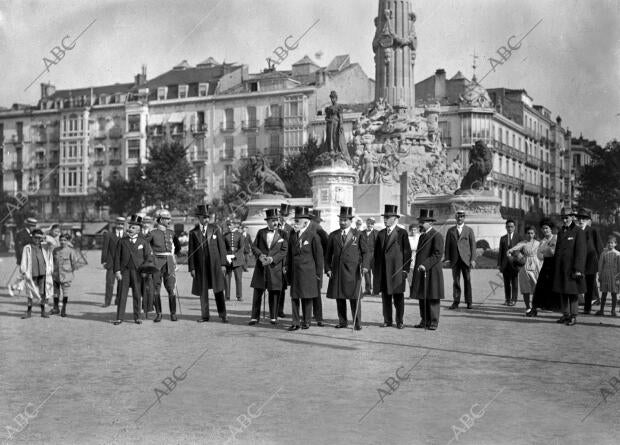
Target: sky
[(569, 62)]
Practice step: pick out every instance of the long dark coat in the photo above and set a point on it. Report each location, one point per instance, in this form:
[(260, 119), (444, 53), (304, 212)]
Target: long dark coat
[(206, 258), (392, 261), (428, 254), (305, 264), (570, 257), (287, 229), (344, 262), (271, 276), (370, 239), (594, 248)]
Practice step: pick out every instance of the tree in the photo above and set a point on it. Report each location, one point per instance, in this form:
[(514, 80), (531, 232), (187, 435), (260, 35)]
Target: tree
[(123, 196), (599, 183), (294, 170)]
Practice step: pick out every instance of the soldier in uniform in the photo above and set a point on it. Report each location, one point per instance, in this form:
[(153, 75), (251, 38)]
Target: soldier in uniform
[(427, 282), (206, 259), (132, 252), (108, 252), (346, 258), (24, 237), (235, 258), (370, 236), (165, 246), (594, 248), (270, 248), (287, 228), (392, 256), (304, 267), (317, 303)]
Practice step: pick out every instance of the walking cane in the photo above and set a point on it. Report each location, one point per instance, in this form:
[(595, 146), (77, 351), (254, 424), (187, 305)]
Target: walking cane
[(176, 291), (357, 304), (425, 306)]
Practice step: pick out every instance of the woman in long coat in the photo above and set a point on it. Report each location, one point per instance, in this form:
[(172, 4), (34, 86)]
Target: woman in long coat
[(544, 297), (528, 274)]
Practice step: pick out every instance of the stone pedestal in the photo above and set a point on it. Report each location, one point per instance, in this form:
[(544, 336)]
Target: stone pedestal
[(369, 200), (332, 187), (481, 213)]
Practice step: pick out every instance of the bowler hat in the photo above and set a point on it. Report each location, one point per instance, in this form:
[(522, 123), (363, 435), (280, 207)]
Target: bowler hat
[(390, 210), (271, 214), (584, 214), (285, 209), (303, 212), (31, 222), (426, 215), (135, 220), (346, 212), (201, 210)]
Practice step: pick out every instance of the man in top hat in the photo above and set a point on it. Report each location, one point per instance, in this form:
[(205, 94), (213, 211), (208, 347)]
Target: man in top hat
[(24, 237), (594, 248), (570, 264), (132, 252), (108, 252), (304, 267), (270, 249), (506, 267), (392, 257), (235, 258), (287, 228), (317, 303), (346, 258), (165, 246), (206, 260), (460, 255), (370, 237), (427, 282)]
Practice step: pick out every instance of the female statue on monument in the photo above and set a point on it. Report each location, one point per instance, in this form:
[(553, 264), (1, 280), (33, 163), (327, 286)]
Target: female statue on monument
[(334, 137)]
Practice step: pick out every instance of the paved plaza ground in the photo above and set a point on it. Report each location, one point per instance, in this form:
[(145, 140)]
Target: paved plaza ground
[(486, 376)]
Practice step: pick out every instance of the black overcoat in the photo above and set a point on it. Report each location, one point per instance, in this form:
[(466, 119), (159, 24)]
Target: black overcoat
[(305, 264), (270, 276), (392, 259), (429, 254), (345, 261), (570, 257), (206, 257)]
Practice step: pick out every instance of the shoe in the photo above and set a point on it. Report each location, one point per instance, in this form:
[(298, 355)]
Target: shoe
[(400, 326), (432, 327), (44, 315), (137, 321), (273, 321), (596, 302), (420, 325), (562, 319), (157, 318), (571, 321), (586, 312), (600, 313), (281, 315), (252, 322), (28, 314), (320, 324), (202, 320), (105, 305), (63, 312), (513, 302), (357, 327), (340, 326), (293, 328), (117, 322), (613, 313), (469, 306), (506, 303), (173, 317), (386, 325), (305, 326), (55, 311), (454, 306), (224, 319), (239, 299), (532, 312), (11, 291), (227, 298)]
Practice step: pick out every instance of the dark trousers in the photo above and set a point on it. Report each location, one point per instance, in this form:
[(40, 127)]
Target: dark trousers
[(220, 303), (317, 308), (368, 282), (169, 280), (341, 306), (399, 306), (131, 278), (146, 289), (457, 269), (591, 292), (257, 299), (306, 310), (511, 285), (109, 286), (429, 312), (39, 282), (570, 304), (281, 302), (237, 271)]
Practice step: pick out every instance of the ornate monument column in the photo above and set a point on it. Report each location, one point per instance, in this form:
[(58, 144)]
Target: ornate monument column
[(395, 46)]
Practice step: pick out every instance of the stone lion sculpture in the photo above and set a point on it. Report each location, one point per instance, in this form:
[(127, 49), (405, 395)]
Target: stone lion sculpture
[(480, 165)]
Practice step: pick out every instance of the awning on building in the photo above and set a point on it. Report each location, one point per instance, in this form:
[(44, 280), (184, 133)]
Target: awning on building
[(93, 228), (156, 119), (176, 118)]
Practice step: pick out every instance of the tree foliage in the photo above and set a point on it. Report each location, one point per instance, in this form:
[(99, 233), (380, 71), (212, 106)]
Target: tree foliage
[(599, 182), (294, 170)]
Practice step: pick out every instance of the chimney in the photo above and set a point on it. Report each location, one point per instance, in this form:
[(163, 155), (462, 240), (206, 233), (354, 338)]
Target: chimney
[(440, 84), (140, 79), (47, 90), (559, 120)]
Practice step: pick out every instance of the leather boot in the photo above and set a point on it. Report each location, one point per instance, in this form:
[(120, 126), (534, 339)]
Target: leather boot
[(63, 312), (43, 313), (28, 313), (55, 309), (172, 302)]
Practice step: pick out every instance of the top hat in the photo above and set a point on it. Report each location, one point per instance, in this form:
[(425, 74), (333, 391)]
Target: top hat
[(135, 220), (303, 212), (460, 212), (317, 216), (271, 214), (285, 209), (426, 215), (391, 210), (333, 94), (31, 222), (346, 212), (584, 214), (201, 210), (567, 212)]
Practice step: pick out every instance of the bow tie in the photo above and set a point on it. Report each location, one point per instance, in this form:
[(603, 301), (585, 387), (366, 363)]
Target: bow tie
[(271, 231)]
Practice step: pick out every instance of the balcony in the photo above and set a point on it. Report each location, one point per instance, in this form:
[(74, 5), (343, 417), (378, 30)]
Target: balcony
[(40, 164), (508, 180), (531, 161), (227, 155), (116, 133), (200, 184), (40, 138), (116, 161), (250, 125), (508, 150), (273, 122), (199, 156), (227, 127), (53, 164), (532, 189), (99, 162), (99, 135), (199, 128)]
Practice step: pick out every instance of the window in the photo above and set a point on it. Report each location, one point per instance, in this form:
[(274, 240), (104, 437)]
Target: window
[(133, 148), (133, 122), (229, 147), (252, 145), (203, 89), (162, 93), (99, 178), (253, 86), (71, 151), (274, 142), (182, 91)]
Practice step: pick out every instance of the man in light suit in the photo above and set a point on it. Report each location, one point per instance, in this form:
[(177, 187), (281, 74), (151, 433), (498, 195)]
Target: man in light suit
[(509, 272), (392, 256), (460, 255), (108, 252), (270, 248)]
